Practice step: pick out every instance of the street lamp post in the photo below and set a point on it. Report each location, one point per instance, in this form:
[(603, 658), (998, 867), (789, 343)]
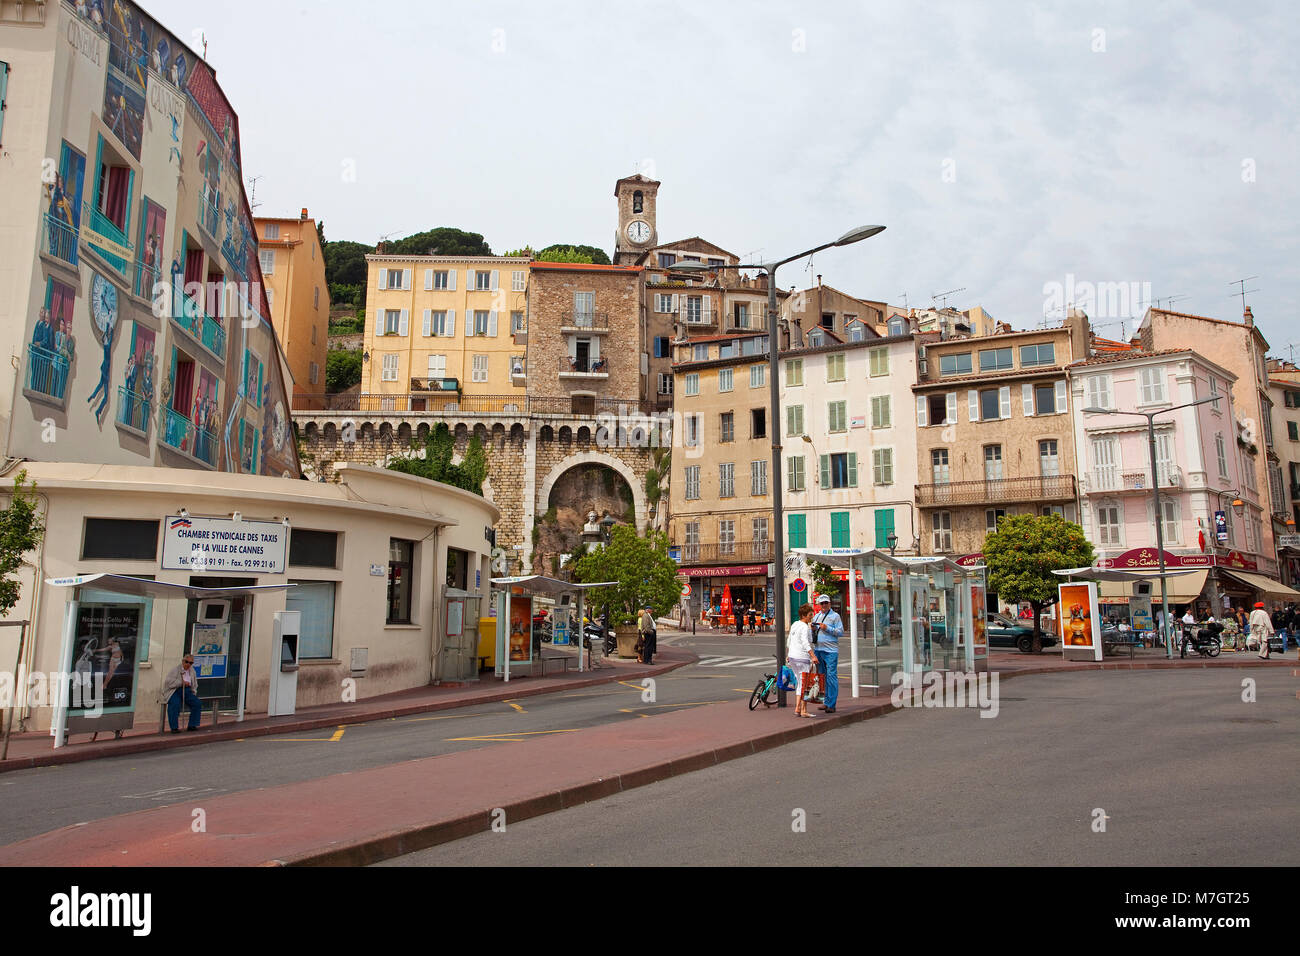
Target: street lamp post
[(774, 392), (1155, 501)]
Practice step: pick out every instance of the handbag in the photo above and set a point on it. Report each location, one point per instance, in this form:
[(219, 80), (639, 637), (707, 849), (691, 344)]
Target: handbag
[(812, 687), (787, 677)]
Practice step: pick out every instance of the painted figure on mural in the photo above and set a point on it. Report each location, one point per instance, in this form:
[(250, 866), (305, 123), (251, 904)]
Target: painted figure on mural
[(105, 371), (60, 210), (129, 399), (42, 368)]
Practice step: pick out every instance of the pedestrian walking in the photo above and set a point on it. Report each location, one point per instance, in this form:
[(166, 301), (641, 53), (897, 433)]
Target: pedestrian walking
[(648, 640), (828, 629), (1261, 628), (179, 688), (800, 656)]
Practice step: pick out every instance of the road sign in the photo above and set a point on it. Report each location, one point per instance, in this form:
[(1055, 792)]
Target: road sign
[(799, 585), (686, 590)]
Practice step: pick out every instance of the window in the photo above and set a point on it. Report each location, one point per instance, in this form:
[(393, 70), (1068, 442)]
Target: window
[(758, 423), (692, 384), (740, 315), (313, 335), (1151, 383), (727, 427), (727, 537), (119, 539), (517, 280), (1098, 391), (796, 531), (442, 279), (481, 322), (880, 412), (855, 331), (266, 260), (1164, 458), (1105, 461), (391, 278), (270, 298), (313, 373), (989, 406), (113, 188), (835, 368), (725, 380), (884, 518), (839, 529), (482, 280), (663, 347), (517, 324), (1222, 453), (897, 326), (816, 339), (1172, 526), (663, 302), (390, 368), (314, 600), (1045, 400), (941, 530), (839, 470), (401, 557), (992, 462), (716, 263), (878, 360), (757, 376), (692, 423), (758, 531), (882, 466), (758, 477), (795, 479), (666, 259), (991, 518), (1214, 390), (793, 372), (793, 420), (828, 320), (1108, 525), (315, 297), (392, 322), (699, 353), (271, 231), (727, 350), (692, 482), (1049, 463), (836, 416), (1031, 355), (313, 549), (437, 366), (480, 370), (435, 322), (691, 540), (665, 383), (695, 313), (939, 466), (995, 360), (1291, 399), (958, 364), (1292, 432), (638, 201), (726, 480)]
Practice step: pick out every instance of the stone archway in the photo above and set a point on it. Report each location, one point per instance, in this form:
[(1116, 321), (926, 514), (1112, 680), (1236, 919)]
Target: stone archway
[(597, 458)]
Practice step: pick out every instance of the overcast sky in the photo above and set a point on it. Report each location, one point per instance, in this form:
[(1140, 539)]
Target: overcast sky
[(1007, 146)]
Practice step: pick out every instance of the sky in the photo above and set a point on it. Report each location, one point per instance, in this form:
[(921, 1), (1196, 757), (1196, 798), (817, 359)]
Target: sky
[(1022, 153)]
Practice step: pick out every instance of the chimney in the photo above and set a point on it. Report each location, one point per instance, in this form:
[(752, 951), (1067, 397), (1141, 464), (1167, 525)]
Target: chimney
[(819, 281), (304, 214), (1250, 318)]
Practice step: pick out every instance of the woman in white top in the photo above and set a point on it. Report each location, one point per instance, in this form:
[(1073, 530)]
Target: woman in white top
[(799, 654)]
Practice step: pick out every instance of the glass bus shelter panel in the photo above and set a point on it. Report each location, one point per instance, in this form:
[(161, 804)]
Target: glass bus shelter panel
[(884, 644), (917, 647)]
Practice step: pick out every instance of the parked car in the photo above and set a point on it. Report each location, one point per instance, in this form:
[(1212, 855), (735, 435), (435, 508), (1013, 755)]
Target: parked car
[(1004, 632)]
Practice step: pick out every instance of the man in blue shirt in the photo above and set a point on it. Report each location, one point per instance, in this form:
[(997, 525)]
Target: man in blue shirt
[(829, 629)]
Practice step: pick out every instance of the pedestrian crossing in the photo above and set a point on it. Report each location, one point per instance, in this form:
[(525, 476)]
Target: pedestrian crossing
[(738, 661)]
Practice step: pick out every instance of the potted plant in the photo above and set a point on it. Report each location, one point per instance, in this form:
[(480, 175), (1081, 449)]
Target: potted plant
[(641, 574)]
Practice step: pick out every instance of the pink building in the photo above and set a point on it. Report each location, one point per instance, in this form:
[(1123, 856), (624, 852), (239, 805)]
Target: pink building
[(1203, 462)]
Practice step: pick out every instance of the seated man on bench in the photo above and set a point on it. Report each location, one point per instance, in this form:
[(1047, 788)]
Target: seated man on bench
[(179, 687)]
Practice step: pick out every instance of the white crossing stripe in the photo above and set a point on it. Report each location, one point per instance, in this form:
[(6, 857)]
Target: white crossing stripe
[(738, 661)]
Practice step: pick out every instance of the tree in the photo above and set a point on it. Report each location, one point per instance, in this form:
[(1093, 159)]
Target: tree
[(1022, 554), (560, 252), (443, 241), (644, 573), (824, 581), (342, 369), (345, 262), (436, 465), (21, 530)]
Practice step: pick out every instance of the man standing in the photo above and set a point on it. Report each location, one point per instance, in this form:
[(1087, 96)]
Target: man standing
[(1261, 629), (829, 629)]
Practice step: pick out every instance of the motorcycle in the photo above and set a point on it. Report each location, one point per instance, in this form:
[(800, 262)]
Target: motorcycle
[(1202, 640), (596, 631)]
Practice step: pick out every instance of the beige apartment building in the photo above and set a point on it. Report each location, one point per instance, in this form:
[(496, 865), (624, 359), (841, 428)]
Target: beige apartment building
[(293, 268), (445, 331), (994, 432), (1284, 393)]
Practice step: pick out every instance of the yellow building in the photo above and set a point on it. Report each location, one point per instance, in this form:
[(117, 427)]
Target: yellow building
[(293, 267), (444, 329)]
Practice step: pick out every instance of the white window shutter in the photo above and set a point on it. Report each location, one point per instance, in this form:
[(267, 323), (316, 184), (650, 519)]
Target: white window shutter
[(920, 411), (673, 306), (428, 280), (383, 278), (950, 411), (379, 321), (496, 275), (492, 318), (451, 280), (450, 328), (428, 321), (1027, 399), (708, 305), (1004, 401), (403, 323), (469, 321), (1060, 397), (406, 278), (972, 405)]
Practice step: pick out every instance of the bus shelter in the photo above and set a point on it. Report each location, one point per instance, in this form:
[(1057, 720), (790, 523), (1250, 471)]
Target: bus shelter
[(909, 614), (514, 602)]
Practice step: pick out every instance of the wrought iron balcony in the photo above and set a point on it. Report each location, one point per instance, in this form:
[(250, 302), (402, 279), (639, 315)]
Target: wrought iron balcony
[(180, 433), (210, 213), (689, 316), (1033, 488), (735, 552), (585, 321), (574, 367), (60, 240), (104, 236), (435, 385), (133, 410), (47, 374)]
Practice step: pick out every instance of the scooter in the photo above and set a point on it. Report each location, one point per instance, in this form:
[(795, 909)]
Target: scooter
[(593, 631), (1203, 640)]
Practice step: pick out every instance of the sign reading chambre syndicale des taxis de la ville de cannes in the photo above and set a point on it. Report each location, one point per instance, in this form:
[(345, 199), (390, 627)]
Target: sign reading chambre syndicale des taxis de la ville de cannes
[(212, 545)]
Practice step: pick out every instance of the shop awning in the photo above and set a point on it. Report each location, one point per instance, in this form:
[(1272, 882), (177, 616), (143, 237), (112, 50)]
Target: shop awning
[(143, 587), (1183, 585), (1264, 585), (547, 587)]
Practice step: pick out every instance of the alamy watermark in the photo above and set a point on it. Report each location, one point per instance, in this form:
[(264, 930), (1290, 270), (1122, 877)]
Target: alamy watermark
[(1100, 300), (947, 689), (78, 690)]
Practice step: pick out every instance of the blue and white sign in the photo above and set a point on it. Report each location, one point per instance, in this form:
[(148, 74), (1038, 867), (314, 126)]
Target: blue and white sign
[(218, 545), (1221, 526)]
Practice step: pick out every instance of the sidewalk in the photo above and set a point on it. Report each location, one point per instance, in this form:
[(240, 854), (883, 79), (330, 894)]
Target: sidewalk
[(36, 749), (366, 816)]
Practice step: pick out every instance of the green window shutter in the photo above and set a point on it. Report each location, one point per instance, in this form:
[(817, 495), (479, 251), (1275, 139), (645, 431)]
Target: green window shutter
[(884, 526), (797, 527), (853, 469), (826, 471), (839, 529)]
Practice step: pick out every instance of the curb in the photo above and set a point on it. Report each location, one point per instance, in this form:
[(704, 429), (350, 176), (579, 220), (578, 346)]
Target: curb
[(154, 742)]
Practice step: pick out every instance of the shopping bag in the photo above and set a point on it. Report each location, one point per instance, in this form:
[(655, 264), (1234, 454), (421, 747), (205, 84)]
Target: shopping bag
[(787, 677), (812, 687)]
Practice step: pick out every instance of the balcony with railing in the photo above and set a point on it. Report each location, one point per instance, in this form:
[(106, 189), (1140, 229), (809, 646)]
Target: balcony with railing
[(1114, 481), (210, 213), (735, 552), (180, 434), (1033, 488), (133, 410), (435, 384), (60, 240), (700, 316), (465, 405), (583, 367), (207, 331), (146, 277), (597, 322), (106, 238), (47, 375)]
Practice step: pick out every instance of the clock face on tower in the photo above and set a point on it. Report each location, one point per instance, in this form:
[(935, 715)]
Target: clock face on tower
[(638, 230)]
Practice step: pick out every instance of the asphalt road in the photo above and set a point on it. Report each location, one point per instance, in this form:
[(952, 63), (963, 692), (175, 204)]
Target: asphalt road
[(1179, 769), (43, 799)]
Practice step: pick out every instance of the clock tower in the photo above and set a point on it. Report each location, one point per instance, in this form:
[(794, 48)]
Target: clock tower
[(637, 231)]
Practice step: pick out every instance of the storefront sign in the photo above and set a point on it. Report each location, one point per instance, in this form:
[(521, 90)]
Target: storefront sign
[(215, 545), (1148, 559), (732, 572), (1288, 541), (1235, 559), (971, 560)]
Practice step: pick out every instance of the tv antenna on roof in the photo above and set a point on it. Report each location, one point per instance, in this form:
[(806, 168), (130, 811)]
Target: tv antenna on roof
[(1243, 291), (252, 192), (1170, 299), (944, 296)]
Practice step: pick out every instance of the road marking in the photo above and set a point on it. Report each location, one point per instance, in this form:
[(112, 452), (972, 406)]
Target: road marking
[(737, 662), (516, 737), (338, 735), (413, 720), (517, 708), (693, 703)]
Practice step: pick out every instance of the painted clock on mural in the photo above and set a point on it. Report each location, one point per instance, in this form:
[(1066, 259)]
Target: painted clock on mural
[(638, 230), (103, 304), (279, 426)]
